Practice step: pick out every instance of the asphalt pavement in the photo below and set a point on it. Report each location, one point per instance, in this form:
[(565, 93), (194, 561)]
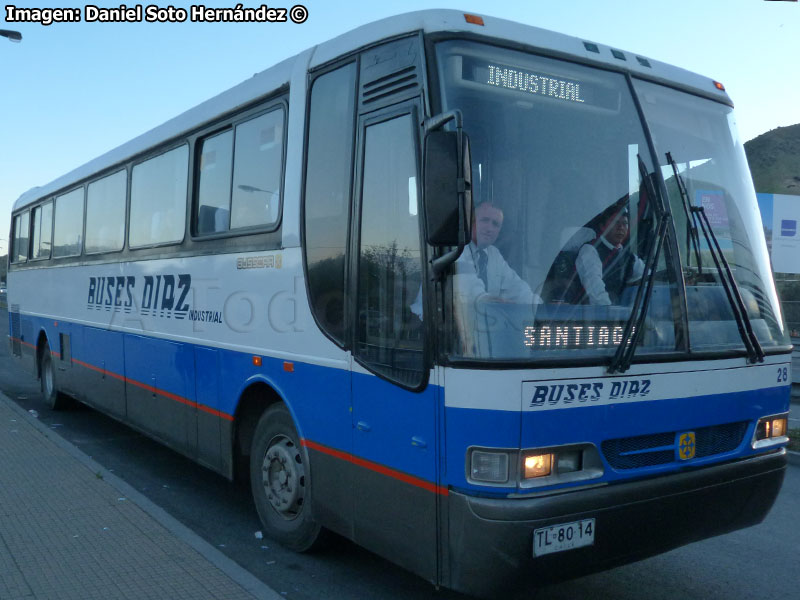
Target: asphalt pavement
[(71, 530)]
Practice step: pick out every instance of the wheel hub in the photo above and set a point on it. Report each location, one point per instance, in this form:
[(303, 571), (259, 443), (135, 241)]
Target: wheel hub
[(283, 477)]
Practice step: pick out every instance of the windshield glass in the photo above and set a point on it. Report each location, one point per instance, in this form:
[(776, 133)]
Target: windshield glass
[(563, 218), (700, 135)]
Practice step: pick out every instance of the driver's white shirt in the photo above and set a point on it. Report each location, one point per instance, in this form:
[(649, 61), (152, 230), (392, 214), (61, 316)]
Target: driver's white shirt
[(503, 282)]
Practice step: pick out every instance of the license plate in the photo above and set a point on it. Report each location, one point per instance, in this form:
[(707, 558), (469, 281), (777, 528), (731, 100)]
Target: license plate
[(563, 537)]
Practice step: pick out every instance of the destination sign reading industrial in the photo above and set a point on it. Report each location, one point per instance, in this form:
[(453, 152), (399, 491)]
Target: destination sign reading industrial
[(560, 87)]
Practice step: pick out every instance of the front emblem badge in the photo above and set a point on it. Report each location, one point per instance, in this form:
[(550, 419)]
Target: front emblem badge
[(687, 445)]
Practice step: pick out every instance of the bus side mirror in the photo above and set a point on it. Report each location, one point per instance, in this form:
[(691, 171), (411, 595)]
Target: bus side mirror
[(447, 197)]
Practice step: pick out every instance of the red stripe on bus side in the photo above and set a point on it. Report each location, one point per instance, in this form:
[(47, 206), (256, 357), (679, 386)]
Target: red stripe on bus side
[(166, 394), (29, 345), (378, 468), (154, 390)]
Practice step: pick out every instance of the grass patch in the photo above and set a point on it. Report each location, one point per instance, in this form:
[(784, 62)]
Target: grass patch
[(794, 440)]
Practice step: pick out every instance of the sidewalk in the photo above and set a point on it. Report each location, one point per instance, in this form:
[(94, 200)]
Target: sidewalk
[(69, 529)]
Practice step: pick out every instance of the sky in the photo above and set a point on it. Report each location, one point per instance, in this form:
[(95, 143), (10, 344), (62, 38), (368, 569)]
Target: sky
[(70, 92)]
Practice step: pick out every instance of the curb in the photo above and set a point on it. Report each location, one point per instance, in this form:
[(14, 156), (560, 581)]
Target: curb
[(230, 568)]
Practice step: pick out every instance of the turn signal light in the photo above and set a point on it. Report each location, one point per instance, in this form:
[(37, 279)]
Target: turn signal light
[(771, 431)]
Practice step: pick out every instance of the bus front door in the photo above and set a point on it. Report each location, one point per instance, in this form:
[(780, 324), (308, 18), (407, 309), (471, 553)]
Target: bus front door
[(394, 407)]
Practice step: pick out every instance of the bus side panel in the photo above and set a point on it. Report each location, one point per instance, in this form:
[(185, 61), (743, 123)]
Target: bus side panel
[(332, 480), (160, 389), (207, 379), (27, 342), (397, 485), (102, 368), (59, 337)]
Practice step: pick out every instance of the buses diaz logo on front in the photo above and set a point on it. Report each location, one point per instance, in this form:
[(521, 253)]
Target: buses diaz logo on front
[(154, 295), (588, 391)]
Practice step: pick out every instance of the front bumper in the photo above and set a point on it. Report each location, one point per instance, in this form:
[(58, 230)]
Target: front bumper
[(490, 543)]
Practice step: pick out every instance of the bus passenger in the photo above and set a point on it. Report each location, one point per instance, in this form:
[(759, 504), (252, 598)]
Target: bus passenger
[(607, 265)]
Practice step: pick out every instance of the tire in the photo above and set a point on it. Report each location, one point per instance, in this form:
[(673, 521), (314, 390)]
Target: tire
[(281, 482), (52, 396)]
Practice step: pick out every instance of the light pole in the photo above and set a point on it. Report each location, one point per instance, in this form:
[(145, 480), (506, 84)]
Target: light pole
[(14, 36)]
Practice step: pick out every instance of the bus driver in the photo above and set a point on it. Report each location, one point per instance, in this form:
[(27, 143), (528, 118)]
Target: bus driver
[(482, 274)]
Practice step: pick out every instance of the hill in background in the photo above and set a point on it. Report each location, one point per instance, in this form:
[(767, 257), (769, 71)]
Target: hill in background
[(774, 159)]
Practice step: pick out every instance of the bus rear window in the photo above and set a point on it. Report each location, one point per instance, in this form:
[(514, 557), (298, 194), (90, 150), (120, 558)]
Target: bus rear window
[(19, 252)]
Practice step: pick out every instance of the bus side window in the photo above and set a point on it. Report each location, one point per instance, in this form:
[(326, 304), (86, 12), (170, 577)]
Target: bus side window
[(390, 260), (105, 213), (158, 199), (42, 227), (241, 171), (327, 195), (68, 227), (214, 189), (257, 171)]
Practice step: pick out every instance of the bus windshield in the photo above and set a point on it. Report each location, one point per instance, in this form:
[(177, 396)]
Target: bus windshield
[(701, 137), (565, 198)]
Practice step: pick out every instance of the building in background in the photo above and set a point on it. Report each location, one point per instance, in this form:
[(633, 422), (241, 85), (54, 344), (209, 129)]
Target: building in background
[(780, 215)]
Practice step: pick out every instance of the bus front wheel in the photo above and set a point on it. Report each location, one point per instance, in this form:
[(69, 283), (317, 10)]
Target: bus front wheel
[(280, 479)]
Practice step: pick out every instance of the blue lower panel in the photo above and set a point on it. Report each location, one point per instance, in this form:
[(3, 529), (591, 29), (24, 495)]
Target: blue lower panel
[(160, 389), (187, 395), (395, 427), (209, 427), (104, 351)]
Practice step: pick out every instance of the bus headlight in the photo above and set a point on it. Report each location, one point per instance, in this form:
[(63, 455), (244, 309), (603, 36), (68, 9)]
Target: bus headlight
[(489, 466), (533, 467), (537, 465), (771, 431)]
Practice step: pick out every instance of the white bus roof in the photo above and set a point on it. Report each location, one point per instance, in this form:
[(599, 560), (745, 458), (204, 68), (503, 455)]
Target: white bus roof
[(428, 21)]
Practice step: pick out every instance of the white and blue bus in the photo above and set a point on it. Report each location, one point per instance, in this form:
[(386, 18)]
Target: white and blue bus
[(284, 279)]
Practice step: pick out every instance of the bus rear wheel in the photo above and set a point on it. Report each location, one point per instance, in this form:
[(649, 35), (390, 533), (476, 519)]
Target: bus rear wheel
[(55, 399), (280, 480)]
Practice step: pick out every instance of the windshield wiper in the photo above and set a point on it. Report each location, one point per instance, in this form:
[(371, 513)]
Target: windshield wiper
[(755, 353), (691, 222), (621, 361)]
